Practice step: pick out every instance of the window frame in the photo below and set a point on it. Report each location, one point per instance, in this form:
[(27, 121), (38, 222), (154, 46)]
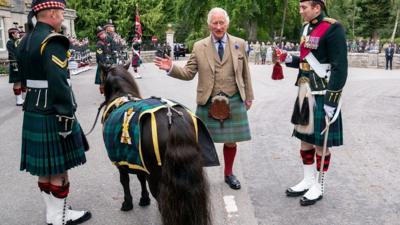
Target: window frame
[(2, 35)]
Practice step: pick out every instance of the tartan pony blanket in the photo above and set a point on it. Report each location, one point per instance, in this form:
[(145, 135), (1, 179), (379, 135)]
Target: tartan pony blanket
[(121, 132)]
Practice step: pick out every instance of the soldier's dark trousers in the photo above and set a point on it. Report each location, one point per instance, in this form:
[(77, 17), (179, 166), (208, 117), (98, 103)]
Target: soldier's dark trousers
[(389, 61)]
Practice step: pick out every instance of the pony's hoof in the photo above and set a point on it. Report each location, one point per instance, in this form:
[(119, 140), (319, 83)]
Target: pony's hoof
[(144, 202), (126, 206)]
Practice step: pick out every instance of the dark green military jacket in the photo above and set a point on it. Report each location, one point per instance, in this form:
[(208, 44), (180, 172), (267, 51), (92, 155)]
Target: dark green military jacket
[(331, 49), (43, 61), (101, 51), (12, 57), (12, 48)]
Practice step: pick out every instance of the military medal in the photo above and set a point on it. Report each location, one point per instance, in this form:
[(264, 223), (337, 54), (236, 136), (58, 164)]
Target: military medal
[(311, 42)]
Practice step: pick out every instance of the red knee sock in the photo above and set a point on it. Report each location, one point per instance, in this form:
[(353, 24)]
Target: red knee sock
[(45, 187), (229, 157), (308, 156), (23, 89), (327, 160), (59, 191), (17, 91)]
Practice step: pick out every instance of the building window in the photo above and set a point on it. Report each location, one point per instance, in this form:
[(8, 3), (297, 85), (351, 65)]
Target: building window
[(2, 38)]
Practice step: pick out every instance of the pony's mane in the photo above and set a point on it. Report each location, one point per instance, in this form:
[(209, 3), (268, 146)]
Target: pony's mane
[(119, 83)]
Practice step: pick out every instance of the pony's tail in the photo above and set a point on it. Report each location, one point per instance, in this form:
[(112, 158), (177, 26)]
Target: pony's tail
[(184, 190)]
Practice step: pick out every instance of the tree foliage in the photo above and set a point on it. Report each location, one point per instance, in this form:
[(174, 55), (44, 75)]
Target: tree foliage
[(250, 19), (373, 16)]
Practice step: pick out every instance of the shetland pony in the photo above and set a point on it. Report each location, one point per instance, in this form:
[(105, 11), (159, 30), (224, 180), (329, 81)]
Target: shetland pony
[(179, 185)]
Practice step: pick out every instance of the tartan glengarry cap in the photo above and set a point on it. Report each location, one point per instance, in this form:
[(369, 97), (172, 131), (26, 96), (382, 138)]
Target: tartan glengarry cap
[(39, 5)]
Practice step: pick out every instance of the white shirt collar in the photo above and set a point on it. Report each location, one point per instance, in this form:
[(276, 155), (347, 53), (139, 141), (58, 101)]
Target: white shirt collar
[(224, 39)]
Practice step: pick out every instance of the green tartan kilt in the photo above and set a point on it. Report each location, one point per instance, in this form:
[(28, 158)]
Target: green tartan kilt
[(235, 129), (44, 152), (13, 77), (335, 137), (97, 79)]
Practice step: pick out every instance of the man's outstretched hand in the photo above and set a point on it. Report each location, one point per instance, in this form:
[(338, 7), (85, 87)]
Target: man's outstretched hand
[(163, 63)]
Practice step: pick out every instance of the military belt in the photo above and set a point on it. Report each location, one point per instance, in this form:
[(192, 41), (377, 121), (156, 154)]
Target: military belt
[(40, 83)]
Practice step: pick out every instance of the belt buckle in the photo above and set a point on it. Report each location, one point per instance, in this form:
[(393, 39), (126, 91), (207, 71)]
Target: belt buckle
[(305, 66)]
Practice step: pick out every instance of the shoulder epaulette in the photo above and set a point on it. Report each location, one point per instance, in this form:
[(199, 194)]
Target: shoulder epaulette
[(329, 20), (54, 35)]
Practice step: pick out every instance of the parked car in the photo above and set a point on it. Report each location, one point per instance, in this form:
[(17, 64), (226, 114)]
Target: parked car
[(180, 49)]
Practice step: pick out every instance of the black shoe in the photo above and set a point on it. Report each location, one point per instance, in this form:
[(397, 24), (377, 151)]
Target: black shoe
[(233, 182), (82, 219), (306, 202), (291, 193)]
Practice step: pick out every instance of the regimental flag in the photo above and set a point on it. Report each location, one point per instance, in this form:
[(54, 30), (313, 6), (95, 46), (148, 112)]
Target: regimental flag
[(138, 26)]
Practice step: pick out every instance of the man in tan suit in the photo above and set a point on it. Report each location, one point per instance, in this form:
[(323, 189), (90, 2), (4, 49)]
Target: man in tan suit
[(224, 77)]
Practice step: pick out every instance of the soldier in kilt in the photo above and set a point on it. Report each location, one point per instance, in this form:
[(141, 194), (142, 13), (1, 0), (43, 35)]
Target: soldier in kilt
[(224, 90), (14, 78), (323, 45), (52, 139), (101, 51), (136, 61)]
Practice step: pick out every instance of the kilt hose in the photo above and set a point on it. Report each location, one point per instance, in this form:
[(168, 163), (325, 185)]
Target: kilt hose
[(235, 129), (44, 152), (335, 137)]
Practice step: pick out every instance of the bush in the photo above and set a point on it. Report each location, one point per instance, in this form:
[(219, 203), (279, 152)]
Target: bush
[(3, 69)]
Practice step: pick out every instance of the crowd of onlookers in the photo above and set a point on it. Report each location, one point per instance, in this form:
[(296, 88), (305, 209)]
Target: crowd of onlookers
[(369, 46), (261, 52)]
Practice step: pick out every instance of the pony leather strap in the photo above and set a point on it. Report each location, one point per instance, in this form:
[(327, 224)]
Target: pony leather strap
[(115, 104), (219, 109)]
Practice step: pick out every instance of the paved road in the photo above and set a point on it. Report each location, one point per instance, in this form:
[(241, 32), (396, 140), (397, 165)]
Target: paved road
[(362, 184)]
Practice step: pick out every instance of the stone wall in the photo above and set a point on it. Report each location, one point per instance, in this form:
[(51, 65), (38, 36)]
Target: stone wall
[(370, 60)]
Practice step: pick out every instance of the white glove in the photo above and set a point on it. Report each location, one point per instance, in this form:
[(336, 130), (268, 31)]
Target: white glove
[(289, 58), (329, 111)]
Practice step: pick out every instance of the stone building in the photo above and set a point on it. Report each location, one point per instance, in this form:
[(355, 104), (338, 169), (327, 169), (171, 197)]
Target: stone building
[(14, 13)]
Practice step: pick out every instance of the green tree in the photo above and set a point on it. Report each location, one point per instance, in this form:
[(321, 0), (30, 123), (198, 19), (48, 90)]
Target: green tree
[(372, 17), (396, 6), (252, 20)]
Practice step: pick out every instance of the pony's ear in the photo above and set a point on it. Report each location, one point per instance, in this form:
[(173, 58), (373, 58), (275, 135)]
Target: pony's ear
[(127, 64)]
